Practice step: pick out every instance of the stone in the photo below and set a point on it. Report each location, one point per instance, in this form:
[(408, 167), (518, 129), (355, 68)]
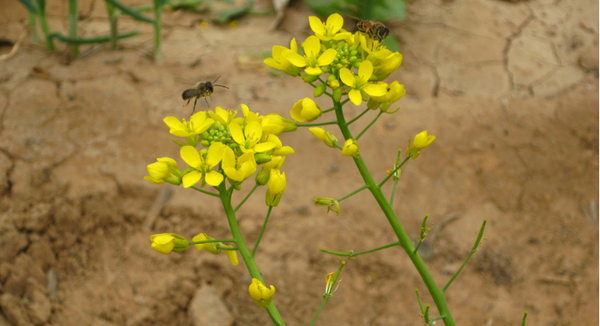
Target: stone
[(207, 308)]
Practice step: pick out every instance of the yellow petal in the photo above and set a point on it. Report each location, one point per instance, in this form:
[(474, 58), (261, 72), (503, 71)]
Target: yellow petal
[(365, 70), (312, 46), (335, 22), (355, 96), (375, 89), (213, 178), (191, 156), (327, 57), (215, 154), (191, 179), (316, 25), (348, 77)]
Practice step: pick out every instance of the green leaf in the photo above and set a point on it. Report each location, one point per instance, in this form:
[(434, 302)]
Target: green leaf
[(30, 5), (391, 42), (324, 8), (386, 9), (130, 11), (100, 39), (225, 15)]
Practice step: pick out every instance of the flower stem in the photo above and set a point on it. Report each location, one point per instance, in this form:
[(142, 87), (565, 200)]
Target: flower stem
[(353, 254), (369, 126), (243, 249), (246, 198), (473, 250), (44, 23), (158, 4), (262, 231), (403, 237)]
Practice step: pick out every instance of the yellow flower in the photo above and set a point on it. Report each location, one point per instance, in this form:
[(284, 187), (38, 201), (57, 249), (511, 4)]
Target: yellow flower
[(312, 60), (167, 242), (249, 138), (329, 282), (305, 110), (238, 170), (359, 84), (276, 186), (275, 124), (387, 62), (330, 29), (261, 295), (164, 170), (324, 136), (203, 166), (279, 149), (280, 60), (350, 148), (198, 124), (263, 176), (395, 91), (421, 141), (223, 116), (215, 247)]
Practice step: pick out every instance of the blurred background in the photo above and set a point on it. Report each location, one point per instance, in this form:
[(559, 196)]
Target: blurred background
[(510, 89)]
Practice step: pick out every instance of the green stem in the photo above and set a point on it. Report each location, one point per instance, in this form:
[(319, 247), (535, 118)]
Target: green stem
[(262, 231), (316, 124), (44, 24), (392, 174), (211, 241), (157, 27), (327, 295), (205, 192), (32, 27), (420, 302), (369, 126), (246, 198), (243, 249), (353, 254), (73, 18), (473, 250), (359, 116), (403, 237), (353, 193), (112, 20), (524, 317)]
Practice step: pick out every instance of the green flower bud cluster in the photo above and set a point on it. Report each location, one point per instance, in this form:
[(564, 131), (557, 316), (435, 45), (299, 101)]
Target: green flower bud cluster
[(346, 56), (216, 133)]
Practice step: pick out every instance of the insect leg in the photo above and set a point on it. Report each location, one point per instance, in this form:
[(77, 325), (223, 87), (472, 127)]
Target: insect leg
[(207, 101), (195, 100)]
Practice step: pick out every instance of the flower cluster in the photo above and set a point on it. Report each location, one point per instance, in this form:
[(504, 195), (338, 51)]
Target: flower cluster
[(336, 52), (219, 145)]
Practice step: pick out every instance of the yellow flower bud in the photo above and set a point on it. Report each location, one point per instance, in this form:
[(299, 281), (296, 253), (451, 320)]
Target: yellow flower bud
[(305, 110), (167, 242), (350, 148), (164, 170), (324, 135), (276, 186), (421, 141), (261, 295)]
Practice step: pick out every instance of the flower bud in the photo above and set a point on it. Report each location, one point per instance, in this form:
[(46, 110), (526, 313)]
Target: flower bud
[(337, 94), (330, 203), (305, 110), (421, 141), (167, 242), (261, 295), (324, 135), (276, 185), (319, 90), (309, 78), (350, 148)]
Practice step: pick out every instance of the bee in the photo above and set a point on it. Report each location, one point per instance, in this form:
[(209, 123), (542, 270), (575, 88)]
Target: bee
[(373, 29), (201, 89)]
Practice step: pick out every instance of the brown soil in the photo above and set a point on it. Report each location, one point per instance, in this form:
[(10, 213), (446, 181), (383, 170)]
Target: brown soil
[(510, 88)]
